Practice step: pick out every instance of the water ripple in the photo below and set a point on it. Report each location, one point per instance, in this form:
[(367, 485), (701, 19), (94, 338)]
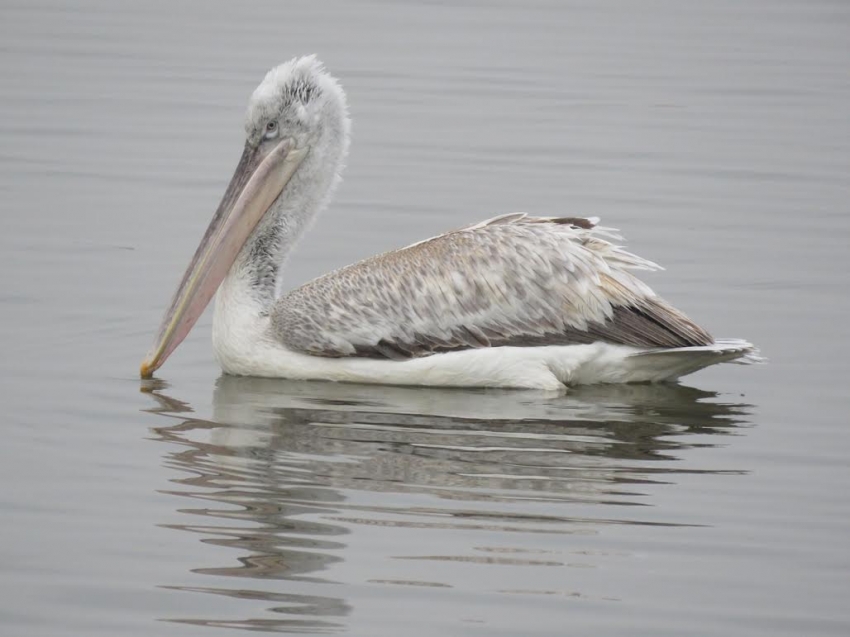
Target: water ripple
[(288, 476)]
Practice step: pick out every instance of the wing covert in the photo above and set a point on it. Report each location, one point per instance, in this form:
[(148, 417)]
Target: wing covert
[(512, 280)]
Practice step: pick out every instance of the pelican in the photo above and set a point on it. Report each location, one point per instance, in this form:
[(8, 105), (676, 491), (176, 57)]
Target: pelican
[(514, 301)]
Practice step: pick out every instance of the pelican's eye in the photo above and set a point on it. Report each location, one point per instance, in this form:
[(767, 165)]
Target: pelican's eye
[(271, 130)]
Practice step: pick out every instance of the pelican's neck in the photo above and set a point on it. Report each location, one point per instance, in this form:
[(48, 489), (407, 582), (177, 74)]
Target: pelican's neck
[(248, 292), (253, 282)]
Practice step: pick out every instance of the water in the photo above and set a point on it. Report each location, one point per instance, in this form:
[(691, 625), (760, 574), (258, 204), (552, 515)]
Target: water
[(715, 135)]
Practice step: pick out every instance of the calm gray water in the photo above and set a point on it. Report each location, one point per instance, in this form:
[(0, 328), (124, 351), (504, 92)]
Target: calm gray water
[(716, 136)]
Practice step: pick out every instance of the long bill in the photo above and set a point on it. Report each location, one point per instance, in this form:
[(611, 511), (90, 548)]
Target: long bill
[(259, 179)]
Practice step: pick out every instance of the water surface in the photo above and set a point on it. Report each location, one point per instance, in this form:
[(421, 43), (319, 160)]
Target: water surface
[(714, 135)]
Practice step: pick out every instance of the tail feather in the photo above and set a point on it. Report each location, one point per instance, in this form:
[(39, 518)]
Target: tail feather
[(670, 364)]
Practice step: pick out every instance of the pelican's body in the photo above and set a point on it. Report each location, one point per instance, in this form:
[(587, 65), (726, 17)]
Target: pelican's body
[(515, 301)]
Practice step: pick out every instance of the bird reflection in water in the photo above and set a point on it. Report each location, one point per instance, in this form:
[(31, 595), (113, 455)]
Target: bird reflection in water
[(288, 474)]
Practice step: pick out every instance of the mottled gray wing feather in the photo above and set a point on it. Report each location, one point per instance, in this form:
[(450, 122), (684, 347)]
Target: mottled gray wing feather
[(512, 280)]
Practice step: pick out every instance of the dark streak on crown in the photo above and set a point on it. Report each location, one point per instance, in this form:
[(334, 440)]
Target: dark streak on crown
[(300, 89)]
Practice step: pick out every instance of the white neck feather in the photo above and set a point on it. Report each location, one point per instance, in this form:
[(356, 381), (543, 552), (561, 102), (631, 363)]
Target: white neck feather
[(252, 285), (254, 278)]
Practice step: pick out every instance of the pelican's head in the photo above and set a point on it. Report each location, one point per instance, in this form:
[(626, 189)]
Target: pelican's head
[(300, 101), (297, 131)]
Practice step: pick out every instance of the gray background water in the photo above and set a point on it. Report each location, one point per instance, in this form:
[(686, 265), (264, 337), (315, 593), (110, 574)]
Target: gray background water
[(715, 135)]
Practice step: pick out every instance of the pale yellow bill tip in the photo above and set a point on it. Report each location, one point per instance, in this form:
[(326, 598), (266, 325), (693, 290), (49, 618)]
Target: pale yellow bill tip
[(146, 370)]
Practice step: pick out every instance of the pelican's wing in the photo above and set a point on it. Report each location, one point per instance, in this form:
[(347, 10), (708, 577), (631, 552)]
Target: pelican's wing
[(512, 280)]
